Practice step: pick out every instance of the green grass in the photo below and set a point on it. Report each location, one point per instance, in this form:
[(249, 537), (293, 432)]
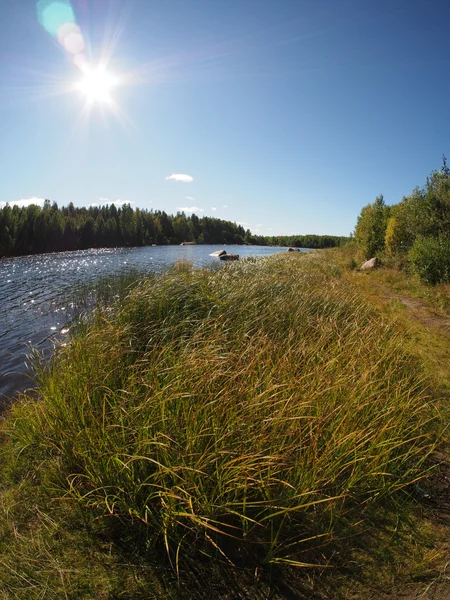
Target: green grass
[(104, 293), (421, 311), (255, 419)]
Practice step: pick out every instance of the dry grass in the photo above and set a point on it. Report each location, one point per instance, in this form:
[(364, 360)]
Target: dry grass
[(262, 416)]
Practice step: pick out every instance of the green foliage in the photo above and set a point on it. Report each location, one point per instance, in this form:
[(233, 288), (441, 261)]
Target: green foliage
[(424, 228), (427, 210), (399, 236), (444, 169), (30, 230), (417, 227), (304, 241), (430, 258), (370, 231)]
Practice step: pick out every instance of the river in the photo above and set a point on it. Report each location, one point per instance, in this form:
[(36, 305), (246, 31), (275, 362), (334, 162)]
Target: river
[(37, 296)]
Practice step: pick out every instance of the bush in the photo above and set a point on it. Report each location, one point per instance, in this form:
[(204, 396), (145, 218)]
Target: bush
[(430, 259)]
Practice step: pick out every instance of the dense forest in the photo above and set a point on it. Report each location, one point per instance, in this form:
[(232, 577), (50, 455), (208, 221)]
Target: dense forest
[(413, 234), (34, 229)]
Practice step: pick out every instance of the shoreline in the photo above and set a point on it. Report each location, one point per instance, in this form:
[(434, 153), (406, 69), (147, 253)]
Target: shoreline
[(212, 405)]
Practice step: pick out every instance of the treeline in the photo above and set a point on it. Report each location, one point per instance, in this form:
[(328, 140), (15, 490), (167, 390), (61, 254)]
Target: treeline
[(34, 229), (415, 233), (302, 241)]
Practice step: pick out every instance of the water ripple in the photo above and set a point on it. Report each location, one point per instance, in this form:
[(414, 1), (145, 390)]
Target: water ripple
[(36, 295)]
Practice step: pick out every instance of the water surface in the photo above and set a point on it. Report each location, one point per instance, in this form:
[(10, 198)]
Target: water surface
[(37, 295)]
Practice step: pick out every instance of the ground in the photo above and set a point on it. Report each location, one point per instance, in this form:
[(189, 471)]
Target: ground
[(424, 313), (386, 569)]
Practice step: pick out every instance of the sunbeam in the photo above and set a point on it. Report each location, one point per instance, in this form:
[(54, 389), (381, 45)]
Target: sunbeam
[(58, 18)]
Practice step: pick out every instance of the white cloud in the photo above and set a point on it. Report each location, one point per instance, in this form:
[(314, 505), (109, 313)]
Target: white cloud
[(225, 206), (189, 198), (94, 205), (242, 223), (190, 209), (121, 202), (259, 225), (213, 208), (180, 177), (104, 201), (24, 202)]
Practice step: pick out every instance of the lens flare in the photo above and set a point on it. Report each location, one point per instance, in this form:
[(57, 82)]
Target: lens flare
[(53, 14), (71, 38), (58, 18)]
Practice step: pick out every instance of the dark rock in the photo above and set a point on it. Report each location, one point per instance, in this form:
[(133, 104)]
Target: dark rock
[(229, 257)]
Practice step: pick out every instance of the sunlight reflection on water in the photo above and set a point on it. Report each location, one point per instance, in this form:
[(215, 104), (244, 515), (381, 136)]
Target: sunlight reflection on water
[(37, 293)]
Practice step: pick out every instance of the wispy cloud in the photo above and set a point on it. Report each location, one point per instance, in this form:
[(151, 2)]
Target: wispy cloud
[(121, 202), (190, 209), (225, 206), (24, 202), (189, 198), (242, 223), (213, 208), (103, 201), (180, 177)]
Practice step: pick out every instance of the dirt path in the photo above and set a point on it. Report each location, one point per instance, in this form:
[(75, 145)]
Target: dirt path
[(429, 332), (419, 311), (427, 326)]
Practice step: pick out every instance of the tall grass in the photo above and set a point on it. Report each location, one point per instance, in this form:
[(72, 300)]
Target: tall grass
[(259, 415), (102, 293)]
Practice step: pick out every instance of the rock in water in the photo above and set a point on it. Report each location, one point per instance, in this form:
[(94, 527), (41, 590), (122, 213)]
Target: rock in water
[(229, 257), (218, 253)]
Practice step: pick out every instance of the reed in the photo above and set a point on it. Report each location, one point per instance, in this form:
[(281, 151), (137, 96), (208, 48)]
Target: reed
[(260, 415)]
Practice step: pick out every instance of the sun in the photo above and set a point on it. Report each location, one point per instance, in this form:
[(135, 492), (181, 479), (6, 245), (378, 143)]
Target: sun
[(96, 86)]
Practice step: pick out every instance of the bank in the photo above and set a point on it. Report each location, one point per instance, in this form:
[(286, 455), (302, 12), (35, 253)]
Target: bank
[(261, 429)]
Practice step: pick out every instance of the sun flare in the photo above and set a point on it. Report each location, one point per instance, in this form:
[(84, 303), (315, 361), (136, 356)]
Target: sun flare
[(96, 86)]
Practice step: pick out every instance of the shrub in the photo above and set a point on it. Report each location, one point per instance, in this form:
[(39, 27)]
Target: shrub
[(430, 259)]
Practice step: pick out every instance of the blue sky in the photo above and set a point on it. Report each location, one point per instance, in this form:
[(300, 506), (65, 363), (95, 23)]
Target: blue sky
[(286, 115)]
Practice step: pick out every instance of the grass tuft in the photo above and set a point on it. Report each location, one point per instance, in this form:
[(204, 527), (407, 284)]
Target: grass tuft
[(260, 416)]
